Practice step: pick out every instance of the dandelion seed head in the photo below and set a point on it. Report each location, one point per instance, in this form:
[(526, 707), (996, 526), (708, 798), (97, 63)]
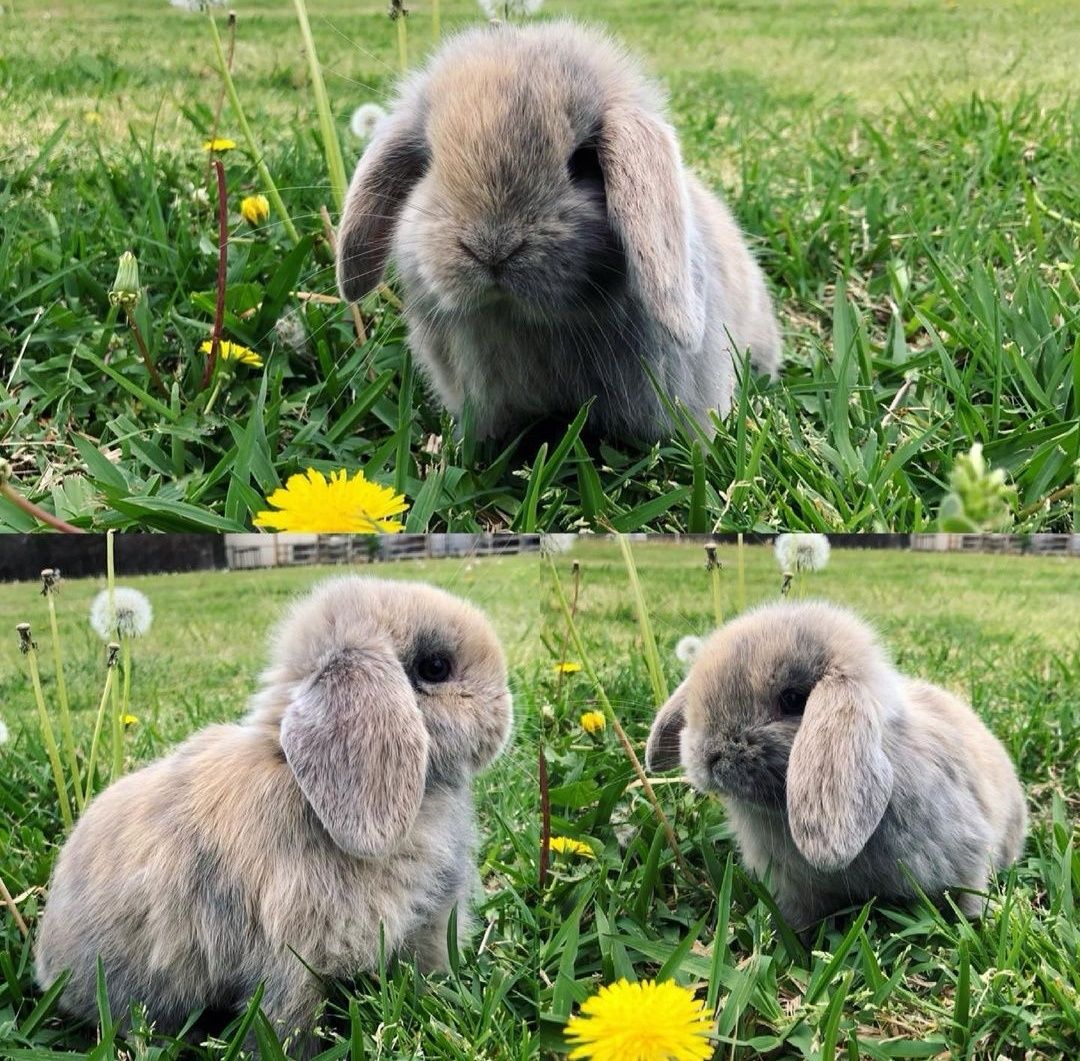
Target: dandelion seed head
[(365, 120), (510, 8), (290, 332), (130, 614), (687, 649), (802, 552)]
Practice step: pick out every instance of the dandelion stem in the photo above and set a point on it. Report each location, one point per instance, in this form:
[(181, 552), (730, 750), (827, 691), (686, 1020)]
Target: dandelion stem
[(436, 21), (30, 651), (67, 734), (652, 654), (106, 694), (36, 511), (712, 564), (223, 261), (9, 902), (264, 174), (335, 165), (609, 713)]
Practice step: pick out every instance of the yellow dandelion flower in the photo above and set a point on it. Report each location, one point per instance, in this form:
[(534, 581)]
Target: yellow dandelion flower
[(567, 667), (219, 143), (565, 845), (255, 209), (128, 720), (593, 721), (645, 1021), (233, 352), (309, 502), (92, 117)]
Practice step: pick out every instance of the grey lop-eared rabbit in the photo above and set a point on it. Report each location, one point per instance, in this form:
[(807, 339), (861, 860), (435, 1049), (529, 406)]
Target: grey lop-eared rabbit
[(838, 773), (549, 240), (340, 804)]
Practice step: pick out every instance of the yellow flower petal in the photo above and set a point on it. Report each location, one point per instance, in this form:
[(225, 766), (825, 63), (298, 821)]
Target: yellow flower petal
[(593, 721), (644, 1021), (255, 209), (310, 503), (220, 143), (128, 720), (228, 351), (567, 667), (566, 845)]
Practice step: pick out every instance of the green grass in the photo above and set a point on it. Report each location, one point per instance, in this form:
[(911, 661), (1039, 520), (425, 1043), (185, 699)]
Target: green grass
[(198, 665), (999, 631), (904, 170)]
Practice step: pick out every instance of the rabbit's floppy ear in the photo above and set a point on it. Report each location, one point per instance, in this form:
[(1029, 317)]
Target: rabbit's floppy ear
[(356, 742), (393, 162), (662, 749), (839, 779), (649, 210)]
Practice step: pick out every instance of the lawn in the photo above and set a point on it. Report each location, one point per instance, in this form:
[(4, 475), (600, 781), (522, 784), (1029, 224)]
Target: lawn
[(1000, 631), (197, 665), (904, 170)]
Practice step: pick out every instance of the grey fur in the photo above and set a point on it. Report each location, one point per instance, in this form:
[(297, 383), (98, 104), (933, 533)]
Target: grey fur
[(200, 875), (883, 781), (528, 293)]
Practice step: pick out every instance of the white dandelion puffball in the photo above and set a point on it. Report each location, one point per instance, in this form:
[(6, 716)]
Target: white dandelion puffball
[(130, 615), (510, 8), (802, 552), (3, 732), (686, 651), (365, 120), (195, 5)]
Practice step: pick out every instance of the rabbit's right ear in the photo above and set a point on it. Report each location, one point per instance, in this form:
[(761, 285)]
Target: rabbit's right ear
[(393, 162), (662, 752), (839, 779), (356, 742)]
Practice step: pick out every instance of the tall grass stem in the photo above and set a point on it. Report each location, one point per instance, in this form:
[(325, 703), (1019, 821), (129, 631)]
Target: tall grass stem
[(99, 720), (652, 654)]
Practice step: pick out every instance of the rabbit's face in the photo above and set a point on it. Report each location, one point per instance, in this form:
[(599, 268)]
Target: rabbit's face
[(442, 647), (745, 700), (510, 213)]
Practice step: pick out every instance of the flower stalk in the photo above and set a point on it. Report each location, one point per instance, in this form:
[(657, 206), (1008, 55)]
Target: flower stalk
[(29, 650), (714, 567), (399, 13), (249, 139), (113, 651), (49, 578), (616, 725)]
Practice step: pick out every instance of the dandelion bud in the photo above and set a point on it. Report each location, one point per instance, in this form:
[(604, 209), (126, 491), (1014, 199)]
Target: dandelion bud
[(112, 654), (785, 585), (49, 578), (26, 642), (398, 10), (125, 290), (255, 209), (711, 563)]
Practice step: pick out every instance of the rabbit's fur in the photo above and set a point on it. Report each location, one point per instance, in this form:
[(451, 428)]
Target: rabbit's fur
[(340, 804), (842, 778), (549, 240)]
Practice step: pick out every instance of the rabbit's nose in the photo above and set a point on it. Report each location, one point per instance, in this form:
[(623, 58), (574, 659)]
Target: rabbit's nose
[(491, 253)]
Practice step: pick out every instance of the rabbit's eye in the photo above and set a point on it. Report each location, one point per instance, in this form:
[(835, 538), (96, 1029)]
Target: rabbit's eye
[(584, 165), (793, 701), (434, 668)]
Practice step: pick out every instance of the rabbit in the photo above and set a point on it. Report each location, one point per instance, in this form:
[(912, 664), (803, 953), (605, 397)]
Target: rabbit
[(274, 850), (551, 246), (841, 777)]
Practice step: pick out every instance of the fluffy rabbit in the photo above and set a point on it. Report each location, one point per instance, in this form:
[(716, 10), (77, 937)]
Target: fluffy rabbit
[(550, 243), (259, 850), (838, 773)]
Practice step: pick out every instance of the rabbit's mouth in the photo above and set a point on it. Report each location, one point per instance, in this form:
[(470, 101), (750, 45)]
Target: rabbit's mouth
[(751, 767)]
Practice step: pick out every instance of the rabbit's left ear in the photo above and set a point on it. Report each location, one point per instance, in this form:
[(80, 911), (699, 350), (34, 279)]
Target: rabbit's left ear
[(839, 779), (649, 210), (662, 752), (356, 742)]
